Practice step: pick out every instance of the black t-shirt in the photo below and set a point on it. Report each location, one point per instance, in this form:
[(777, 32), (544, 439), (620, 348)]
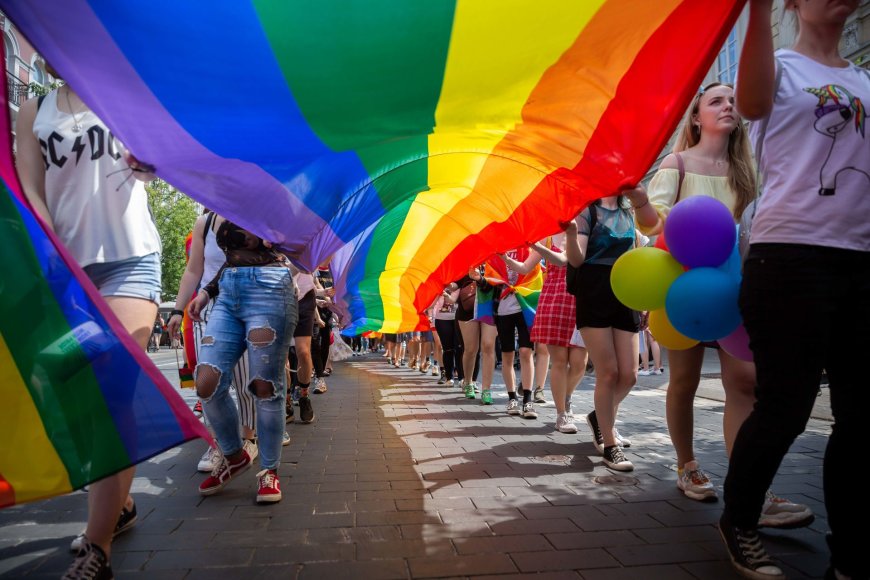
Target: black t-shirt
[(242, 248)]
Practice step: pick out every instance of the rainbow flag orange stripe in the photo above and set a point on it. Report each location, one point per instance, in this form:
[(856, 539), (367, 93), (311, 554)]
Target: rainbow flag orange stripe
[(407, 139)]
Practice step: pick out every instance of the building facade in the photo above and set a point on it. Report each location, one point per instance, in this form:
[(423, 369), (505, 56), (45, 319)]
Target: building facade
[(854, 46), (25, 68)]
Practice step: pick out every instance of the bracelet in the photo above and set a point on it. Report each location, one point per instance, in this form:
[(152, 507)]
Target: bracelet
[(178, 312), (643, 204)]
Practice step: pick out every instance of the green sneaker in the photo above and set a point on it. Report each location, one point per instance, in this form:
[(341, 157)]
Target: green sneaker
[(469, 391), (486, 397)]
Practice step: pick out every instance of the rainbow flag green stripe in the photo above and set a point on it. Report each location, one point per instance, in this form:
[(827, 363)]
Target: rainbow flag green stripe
[(80, 399), (439, 131)]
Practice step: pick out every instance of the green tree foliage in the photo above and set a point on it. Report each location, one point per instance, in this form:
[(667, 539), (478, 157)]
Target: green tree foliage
[(174, 213)]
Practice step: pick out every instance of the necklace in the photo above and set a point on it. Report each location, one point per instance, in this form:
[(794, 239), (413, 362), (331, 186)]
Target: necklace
[(77, 128)]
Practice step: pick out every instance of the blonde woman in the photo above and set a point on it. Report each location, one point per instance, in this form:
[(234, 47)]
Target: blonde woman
[(712, 157)]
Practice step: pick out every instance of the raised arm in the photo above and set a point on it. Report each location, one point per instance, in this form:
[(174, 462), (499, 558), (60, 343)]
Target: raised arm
[(575, 244), (756, 71), (522, 267), (192, 275), (557, 258)]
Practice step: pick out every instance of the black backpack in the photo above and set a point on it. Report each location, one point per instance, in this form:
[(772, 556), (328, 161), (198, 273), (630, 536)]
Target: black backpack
[(572, 275)]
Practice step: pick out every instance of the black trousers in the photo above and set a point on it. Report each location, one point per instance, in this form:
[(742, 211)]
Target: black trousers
[(806, 308)]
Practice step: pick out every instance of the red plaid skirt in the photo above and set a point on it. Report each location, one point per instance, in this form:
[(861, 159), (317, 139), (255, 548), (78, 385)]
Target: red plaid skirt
[(555, 317)]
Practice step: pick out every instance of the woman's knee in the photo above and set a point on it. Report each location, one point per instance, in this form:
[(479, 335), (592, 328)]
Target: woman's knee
[(262, 388), (207, 380)]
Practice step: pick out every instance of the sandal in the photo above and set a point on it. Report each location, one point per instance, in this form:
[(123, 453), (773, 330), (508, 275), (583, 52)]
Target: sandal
[(327, 372)]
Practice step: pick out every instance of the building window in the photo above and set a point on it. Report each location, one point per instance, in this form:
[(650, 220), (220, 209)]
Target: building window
[(37, 74), (10, 54), (726, 63)]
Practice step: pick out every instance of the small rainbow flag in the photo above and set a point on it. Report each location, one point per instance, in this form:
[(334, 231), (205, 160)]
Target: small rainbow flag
[(80, 399), (527, 289)]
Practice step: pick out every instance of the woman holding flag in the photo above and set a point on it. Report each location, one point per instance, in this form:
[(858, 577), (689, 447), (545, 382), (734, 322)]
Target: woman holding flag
[(609, 328)]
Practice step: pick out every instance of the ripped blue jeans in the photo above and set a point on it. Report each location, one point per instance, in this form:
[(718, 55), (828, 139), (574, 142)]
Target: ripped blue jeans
[(255, 310)]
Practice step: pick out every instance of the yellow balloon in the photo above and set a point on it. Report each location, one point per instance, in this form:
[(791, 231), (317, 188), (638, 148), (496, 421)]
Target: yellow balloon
[(641, 277), (666, 335)]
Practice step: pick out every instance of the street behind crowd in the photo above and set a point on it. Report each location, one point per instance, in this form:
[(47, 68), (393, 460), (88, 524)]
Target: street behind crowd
[(400, 477)]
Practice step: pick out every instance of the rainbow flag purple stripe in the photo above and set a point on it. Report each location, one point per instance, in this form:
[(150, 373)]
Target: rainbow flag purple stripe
[(80, 399)]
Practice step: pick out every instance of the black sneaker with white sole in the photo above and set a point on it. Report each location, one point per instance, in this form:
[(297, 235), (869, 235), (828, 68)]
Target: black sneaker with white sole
[(597, 437), (614, 458), (747, 552), (126, 520), (90, 563)]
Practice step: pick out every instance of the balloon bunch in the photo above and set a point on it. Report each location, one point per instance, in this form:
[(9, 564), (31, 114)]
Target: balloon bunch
[(690, 280)]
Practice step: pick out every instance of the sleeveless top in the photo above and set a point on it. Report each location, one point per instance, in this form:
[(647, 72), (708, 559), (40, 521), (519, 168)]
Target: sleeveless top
[(213, 256), (100, 211)]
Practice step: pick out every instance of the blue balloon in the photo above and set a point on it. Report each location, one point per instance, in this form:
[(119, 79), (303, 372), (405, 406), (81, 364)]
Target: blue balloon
[(702, 304), (733, 266), (700, 232)]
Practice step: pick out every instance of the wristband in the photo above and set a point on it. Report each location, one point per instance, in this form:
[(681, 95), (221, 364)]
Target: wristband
[(178, 312), (641, 205)]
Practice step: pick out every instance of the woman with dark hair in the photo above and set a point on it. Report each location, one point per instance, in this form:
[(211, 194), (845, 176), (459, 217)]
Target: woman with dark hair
[(608, 327)]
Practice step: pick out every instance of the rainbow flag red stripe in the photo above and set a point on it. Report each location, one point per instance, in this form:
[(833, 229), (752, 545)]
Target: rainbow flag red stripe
[(411, 138)]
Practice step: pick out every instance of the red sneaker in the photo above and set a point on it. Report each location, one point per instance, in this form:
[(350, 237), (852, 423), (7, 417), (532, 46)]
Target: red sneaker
[(223, 473), (269, 488)]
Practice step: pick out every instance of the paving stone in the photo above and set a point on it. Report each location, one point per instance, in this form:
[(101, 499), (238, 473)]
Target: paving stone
[(401, 478), (563, 560), (461, 566)]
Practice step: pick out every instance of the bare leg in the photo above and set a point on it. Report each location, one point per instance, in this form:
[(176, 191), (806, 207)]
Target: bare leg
[(488, 335), (542, 365), (614, 354), (738, 378), (108, 496), (507, 371), (685, 375), (471, 340)]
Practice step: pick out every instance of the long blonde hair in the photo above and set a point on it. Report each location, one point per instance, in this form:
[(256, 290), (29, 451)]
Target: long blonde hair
[(741, 168)]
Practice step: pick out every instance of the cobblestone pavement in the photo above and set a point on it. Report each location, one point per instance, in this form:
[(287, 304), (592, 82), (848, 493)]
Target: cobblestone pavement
[(402, 478)]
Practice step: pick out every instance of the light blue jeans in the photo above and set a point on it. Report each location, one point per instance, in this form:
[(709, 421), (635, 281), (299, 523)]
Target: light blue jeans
[(255, 309)]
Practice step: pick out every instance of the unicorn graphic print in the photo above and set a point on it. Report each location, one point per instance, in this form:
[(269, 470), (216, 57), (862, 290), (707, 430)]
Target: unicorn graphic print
[(839, 115)]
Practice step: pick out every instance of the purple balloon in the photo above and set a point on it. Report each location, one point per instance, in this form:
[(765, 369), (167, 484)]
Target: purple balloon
[(700, 232), (737, 344)]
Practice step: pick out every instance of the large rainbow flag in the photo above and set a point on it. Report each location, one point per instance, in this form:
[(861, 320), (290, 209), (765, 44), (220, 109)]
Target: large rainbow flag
[(419, 136), (79, 400)]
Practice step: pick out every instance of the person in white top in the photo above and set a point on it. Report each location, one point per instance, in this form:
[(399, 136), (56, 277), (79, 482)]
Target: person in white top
[(806, 278), (83, 184)]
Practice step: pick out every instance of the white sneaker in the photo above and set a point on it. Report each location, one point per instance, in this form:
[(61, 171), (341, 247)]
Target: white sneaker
[(778, 512), (565, 424), (285, 439), (529, 411), (645, 373), (623, 442), (435, 371), (251, 448), (693, 482), (209, 460), (513, 407)]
